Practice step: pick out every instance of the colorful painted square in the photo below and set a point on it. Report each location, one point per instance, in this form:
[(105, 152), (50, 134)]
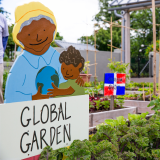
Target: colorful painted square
[(109, 78), (120, 90), (108, 91), (114, 84), (121, 78)]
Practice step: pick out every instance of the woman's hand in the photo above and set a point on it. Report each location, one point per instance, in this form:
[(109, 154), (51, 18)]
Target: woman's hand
[(38, 95)]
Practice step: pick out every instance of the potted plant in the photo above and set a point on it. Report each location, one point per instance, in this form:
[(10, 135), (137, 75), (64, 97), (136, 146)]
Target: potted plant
[(85, 74)]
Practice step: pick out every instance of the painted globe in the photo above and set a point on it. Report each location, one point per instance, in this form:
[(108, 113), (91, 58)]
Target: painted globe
[(45, 77)]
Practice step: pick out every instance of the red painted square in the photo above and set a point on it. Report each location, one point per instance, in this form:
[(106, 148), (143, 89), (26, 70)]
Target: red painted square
[(108, 91), (32, 158), (121, 78)]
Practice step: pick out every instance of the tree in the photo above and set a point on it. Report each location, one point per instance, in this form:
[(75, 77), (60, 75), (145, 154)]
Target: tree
[(104, 13), (10, 44), (103, 38), (142, 20), (58, 37), (2, 9)]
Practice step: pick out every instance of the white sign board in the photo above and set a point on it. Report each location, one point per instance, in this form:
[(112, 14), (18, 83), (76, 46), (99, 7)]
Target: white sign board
[(27, 127)]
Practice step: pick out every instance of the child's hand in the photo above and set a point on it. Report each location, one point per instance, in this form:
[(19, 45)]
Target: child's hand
[(80, 81), (38, 95), (53, 92)]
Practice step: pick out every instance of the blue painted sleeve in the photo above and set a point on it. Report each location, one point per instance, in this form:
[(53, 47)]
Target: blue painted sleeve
[(4, 40), (14, 91)]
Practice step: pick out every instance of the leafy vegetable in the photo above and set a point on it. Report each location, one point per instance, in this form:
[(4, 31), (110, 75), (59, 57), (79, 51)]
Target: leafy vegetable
[(116, 140)]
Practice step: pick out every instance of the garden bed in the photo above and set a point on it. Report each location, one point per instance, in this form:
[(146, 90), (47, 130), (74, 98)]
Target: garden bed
[(99, 117), (141, 106), (134, 138), (93, 130)]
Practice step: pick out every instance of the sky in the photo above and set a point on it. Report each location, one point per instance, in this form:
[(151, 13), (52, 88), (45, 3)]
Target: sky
[(74, 17)]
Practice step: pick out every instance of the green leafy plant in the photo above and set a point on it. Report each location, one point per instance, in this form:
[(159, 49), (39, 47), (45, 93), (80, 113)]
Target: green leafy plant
[(49, 154), (5, 75), (105, 104), (117, 139), (155, 103), (156, 154), (85, 67), (117, 67)]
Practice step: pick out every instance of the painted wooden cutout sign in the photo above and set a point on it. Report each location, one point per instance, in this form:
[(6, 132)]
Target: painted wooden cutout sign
[(114, 84), (40, 72)]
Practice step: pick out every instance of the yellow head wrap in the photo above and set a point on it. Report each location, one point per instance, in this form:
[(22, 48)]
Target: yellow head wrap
[(25, 12)]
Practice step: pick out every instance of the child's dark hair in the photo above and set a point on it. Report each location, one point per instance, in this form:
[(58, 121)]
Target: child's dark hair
[(72, 56)]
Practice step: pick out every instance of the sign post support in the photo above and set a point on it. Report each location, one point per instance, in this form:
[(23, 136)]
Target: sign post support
[(112, 103)]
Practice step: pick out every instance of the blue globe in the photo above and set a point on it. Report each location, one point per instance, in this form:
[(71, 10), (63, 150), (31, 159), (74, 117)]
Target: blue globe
[(45, 77)]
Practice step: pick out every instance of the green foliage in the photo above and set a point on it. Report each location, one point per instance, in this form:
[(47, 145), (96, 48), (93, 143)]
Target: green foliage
[(49, 154), (105, 104), (2, 9), (117, 67), (9, 55), (142, 20), (102, 39), (5, 75), (85, 67), (155, 103), (94, 90), (137, 116), (119, 121), (58, 37), (117, 140), (156, 154), (150, 48), (119, 102)]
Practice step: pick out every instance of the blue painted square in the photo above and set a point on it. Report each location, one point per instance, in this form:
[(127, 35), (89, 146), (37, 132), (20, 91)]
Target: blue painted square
[(120, 90), (109, 78)]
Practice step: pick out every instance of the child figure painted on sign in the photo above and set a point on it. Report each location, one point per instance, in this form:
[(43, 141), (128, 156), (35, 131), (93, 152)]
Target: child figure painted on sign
[(72, 64)]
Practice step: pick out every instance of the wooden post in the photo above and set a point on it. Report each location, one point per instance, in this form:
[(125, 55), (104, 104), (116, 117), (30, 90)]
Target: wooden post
[(143, 93), (121, 43), (154, 46), (150, 91), (95, 57), (87, 57), (112, 103), (112, 97), (159, 67), (111, 38)]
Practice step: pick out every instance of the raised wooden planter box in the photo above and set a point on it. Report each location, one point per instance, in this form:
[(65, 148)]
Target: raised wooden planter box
[(141, 105), (99, 117)]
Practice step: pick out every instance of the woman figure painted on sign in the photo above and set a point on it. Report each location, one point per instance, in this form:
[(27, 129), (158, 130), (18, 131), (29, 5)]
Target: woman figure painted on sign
[(38, 66)]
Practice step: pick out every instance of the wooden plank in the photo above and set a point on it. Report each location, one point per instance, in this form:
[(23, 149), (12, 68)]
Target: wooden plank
[(154, 46), (95, 76), (141, 105), (101, 116), (90, 120), (159, 67), (111, 38), (87, 56), (112, 103)]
